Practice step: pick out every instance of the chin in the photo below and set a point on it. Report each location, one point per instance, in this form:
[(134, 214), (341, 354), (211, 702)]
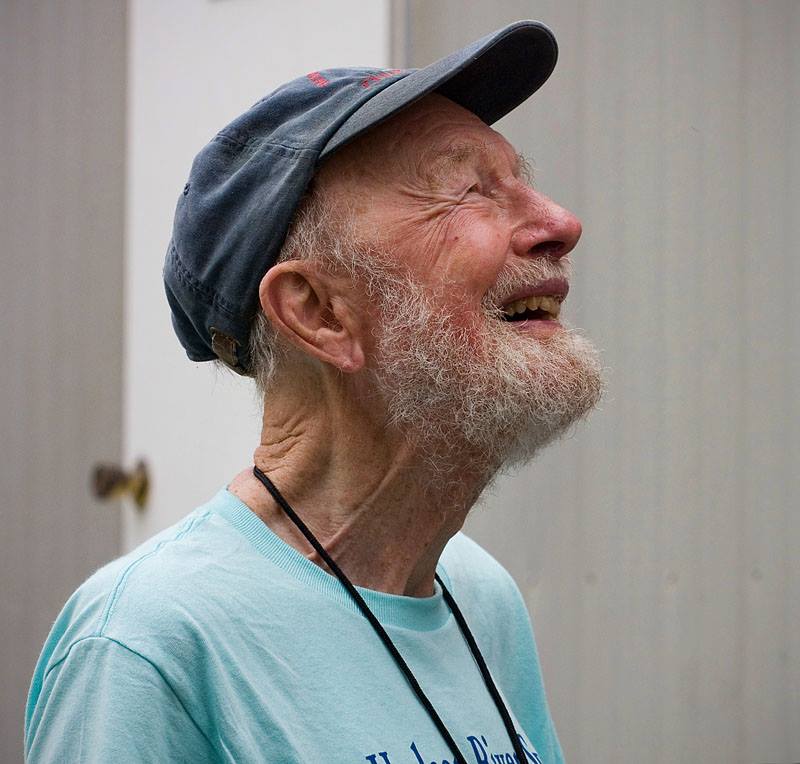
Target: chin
[(492, 405)]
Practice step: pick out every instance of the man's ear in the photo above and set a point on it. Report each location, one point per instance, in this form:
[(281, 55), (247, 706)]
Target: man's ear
[(303, 304)]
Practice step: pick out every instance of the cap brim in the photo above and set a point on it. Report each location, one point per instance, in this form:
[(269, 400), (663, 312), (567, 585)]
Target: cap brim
[(490, 77)]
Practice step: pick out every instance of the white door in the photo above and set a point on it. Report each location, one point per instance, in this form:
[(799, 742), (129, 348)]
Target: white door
[(194, 66)]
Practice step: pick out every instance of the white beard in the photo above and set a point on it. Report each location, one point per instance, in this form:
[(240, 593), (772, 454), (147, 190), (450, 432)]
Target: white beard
[(484, 393)]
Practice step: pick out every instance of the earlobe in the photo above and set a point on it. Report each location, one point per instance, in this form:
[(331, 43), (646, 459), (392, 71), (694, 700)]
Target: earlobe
[(304, 305)]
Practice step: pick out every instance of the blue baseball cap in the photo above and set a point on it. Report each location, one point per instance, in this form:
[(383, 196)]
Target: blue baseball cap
[(245, 185)]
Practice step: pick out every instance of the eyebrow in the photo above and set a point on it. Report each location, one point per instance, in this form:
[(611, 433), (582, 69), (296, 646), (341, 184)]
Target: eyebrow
[(437, 164), (525, 169)]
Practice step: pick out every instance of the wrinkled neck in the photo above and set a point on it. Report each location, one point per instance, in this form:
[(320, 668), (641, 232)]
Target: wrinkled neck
[(367, 495)]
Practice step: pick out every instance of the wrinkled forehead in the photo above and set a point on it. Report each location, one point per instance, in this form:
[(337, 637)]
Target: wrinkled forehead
[(429, 138)]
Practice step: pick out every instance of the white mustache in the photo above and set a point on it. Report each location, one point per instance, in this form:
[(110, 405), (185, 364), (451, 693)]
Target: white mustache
[(527, 273)]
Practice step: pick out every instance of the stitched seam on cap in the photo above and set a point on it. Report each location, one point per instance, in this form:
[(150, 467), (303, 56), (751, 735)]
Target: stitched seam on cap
[(209, 296), (234, 135), (254, 144)]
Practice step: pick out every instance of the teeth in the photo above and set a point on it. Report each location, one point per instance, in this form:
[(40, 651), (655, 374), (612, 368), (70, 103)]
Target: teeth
[(533, 303), (518, 306), (549, 304)]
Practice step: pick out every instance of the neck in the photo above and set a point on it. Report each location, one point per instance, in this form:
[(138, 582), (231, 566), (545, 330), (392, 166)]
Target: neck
[(372, 501)]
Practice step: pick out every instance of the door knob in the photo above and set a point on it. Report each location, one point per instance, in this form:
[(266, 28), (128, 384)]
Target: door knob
[(110, 481)]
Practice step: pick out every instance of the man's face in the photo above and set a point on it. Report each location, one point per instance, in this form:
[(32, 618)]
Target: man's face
[(447, 195), (468, 266)]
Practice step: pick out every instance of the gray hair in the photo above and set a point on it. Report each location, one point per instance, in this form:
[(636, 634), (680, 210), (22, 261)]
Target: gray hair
[(320, 232)]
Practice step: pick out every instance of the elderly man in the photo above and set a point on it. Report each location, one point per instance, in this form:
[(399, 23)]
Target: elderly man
[(404, 332)]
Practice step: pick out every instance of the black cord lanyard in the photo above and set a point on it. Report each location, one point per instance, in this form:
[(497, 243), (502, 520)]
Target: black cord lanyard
[(390, 646)]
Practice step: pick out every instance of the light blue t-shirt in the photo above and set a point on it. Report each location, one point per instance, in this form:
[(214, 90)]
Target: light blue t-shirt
[(216, 641)]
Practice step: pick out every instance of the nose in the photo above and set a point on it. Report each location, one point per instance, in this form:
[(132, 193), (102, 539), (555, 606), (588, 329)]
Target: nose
[(546, 229)]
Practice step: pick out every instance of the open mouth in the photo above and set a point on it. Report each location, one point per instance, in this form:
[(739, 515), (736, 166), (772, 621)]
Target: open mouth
[(533, 308)]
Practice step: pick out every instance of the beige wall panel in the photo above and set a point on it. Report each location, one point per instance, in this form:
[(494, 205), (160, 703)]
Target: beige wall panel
[(61, 169), (657, 546)]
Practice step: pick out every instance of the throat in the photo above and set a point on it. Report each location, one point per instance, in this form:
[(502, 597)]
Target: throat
[(386, 533)]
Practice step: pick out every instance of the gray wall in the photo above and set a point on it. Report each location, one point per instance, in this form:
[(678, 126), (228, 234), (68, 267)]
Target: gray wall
[(657, 548), (62, 109)]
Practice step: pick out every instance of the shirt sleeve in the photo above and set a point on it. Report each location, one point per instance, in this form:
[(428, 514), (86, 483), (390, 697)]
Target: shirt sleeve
[(104, 702), (525, 682)]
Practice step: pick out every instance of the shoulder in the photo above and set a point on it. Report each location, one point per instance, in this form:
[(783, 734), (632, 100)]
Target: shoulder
[(156, 592), (137, 622), (466, 562), (495, 611), (478, 580)]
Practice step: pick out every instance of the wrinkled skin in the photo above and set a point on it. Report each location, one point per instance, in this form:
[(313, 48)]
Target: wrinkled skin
[(445, 196)]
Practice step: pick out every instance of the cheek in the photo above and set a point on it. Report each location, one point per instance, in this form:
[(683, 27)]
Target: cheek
[(465, 249), (477, 254)]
